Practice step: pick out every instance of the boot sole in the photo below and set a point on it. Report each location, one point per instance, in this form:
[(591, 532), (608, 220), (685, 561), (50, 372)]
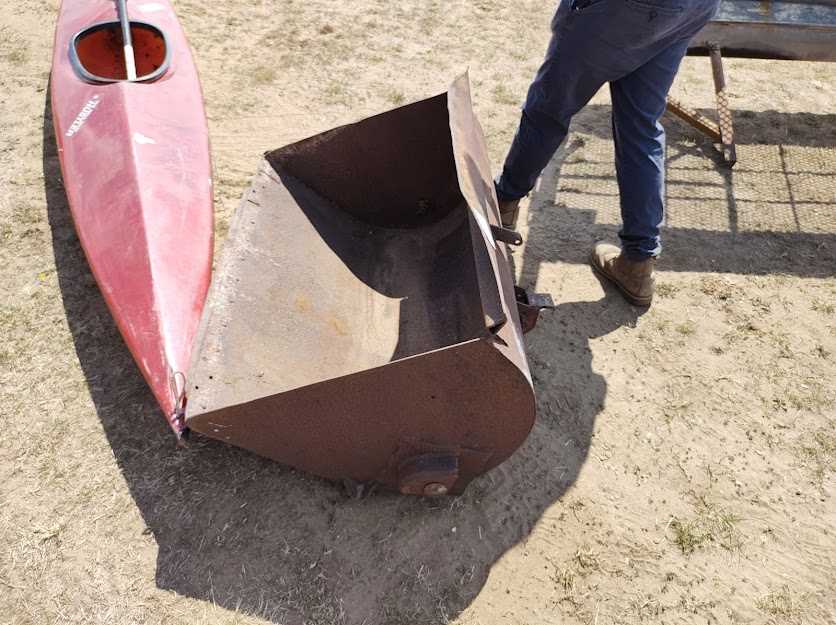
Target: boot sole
[(633, 299)]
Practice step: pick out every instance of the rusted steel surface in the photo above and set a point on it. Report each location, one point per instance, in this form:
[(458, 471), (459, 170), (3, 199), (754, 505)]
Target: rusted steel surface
[(530, 305), (767, 29), (695, 119), (721, 132), (362, 322)]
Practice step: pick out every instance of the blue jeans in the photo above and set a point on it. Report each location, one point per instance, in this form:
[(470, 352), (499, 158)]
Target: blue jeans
[(636, 46)]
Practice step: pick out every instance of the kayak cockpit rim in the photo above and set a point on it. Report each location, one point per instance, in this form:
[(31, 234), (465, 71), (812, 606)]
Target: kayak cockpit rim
[(96, 52)]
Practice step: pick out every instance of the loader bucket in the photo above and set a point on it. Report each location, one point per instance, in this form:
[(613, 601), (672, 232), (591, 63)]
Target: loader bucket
[(362, 321)]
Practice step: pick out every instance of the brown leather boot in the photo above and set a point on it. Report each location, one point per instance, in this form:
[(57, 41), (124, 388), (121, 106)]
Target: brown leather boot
[(509, 210), (634, 278)]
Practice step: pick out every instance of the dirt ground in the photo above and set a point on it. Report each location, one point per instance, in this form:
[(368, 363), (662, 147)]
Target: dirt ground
[(683, 465)]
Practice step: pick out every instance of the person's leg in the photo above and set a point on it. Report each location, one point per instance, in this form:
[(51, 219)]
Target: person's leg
[(593, 42), (638, 103), (564, 84)]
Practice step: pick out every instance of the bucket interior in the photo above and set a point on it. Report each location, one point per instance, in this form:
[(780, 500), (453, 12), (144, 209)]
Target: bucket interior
[(386, 266), (352, 249), (392, 291)]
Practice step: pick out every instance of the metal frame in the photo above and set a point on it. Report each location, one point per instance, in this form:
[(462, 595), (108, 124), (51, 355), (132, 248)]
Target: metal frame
[(722, 131), (82, 72), (803, 30)]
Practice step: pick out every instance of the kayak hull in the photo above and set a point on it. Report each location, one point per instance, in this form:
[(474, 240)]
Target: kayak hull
[(137, 173)]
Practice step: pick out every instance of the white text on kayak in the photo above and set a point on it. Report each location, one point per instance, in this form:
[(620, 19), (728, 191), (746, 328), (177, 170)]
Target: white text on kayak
[(86, 112)]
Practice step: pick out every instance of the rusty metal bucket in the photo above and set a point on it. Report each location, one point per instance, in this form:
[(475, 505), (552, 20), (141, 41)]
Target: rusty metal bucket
[(362, 322)]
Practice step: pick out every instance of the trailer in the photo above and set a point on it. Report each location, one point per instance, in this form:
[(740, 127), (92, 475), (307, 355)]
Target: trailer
[(759, 29)]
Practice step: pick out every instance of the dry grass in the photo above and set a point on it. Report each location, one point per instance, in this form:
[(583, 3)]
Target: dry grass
[(819, 454), (717, 287), (504, 96), (783, 605), (824, 307), (710, 525), (687, 328), (586, 560), (395, 97), (13, 48), (264, 75), (17, 57), (666, 289)]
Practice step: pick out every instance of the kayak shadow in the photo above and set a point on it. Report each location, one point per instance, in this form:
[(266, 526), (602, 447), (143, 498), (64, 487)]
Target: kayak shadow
[(252, 536)]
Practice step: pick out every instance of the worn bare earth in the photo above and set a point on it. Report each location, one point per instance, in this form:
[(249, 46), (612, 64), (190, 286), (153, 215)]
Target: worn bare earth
[(683, 465)]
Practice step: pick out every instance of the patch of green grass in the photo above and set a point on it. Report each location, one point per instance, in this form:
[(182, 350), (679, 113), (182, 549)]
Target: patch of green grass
[(710, 525), (688, 535)]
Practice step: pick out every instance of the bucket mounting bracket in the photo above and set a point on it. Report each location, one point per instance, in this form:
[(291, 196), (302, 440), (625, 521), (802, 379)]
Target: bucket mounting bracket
[(506, 235), (530, 305)]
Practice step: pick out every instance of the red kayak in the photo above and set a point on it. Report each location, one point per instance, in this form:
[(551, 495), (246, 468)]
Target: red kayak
[(133, 144)]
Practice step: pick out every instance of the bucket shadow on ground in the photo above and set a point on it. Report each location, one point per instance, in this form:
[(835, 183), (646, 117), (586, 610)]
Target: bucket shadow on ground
[(253, 536)]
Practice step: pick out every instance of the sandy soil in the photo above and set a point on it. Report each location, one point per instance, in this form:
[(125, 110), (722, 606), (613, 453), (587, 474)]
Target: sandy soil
[(683, 465)]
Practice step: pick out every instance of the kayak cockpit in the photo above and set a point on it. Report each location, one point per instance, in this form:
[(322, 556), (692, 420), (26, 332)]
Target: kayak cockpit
[(97, 52)]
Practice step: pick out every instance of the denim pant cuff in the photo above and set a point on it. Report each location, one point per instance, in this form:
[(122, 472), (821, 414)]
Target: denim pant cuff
[(638, 255)]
